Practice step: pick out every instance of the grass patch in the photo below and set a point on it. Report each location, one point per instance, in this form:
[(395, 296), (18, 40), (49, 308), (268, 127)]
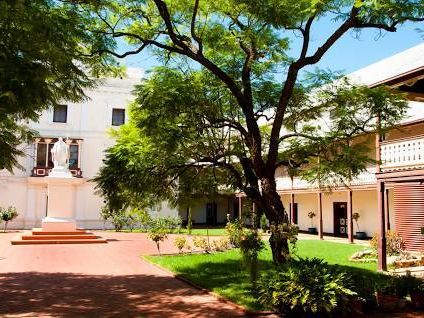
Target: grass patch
[(224, 274), (197, 232)]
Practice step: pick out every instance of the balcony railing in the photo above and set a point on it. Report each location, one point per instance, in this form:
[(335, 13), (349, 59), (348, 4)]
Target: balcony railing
[(402, 154), (44, 172), (364, 178)]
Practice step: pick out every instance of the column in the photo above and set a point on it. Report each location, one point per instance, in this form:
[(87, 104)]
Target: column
[(320, 223), (240, 207), (292, 207), (349, 217), (36, 141), (255, 216), (387, 210), (382, 255), (47, 141)]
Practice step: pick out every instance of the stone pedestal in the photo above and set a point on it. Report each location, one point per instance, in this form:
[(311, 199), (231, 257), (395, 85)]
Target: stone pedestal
[(61, 201)]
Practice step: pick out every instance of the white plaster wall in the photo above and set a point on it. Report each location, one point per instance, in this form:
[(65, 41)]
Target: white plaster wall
[(363, 201), (198, 211)]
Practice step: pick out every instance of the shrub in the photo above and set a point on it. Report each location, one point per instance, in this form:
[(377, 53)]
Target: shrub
[(222, 244), (157, 235), (201, 243), (305, 288), (235, 232), (264, 223), (7, 215), (394, 242), (180, 242), (250, 246), (167, 223)]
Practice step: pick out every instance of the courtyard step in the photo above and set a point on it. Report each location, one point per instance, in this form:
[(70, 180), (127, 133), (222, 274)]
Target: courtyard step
[(59, 237), (38, 236), (58, 241)]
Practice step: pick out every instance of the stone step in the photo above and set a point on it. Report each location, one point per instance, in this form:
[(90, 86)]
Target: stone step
[(59, 241), (59, 237), (78, 232)]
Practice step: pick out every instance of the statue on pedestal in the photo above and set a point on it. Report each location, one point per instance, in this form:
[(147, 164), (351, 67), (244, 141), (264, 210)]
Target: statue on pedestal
[(60, 154)]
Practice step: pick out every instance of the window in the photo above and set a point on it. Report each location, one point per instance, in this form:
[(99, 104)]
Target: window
[(73, 156), (118, 117), (60, 114)]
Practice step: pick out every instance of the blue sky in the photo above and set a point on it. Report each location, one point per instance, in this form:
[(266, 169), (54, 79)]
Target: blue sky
[(348, 54)]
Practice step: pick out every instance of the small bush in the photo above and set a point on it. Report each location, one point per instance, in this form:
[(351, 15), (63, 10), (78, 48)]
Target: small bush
[(180, 242), (250, 246), (264, 223), (306, 288), (7, 215), (221, 245), (394, 242), (157, 235), (235, 232), (201, 243)]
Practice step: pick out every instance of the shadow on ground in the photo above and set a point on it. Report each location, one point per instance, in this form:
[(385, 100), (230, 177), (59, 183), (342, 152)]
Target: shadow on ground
[(34, 294)]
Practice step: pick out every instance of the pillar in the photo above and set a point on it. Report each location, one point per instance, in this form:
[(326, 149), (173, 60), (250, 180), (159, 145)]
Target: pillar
[(382, 253), (292, 208), (349, 217), (387, 210), (240, 207), (320, 224)]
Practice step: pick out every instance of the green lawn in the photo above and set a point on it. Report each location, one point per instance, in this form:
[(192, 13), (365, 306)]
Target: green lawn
[(224, 274), (199, 231)]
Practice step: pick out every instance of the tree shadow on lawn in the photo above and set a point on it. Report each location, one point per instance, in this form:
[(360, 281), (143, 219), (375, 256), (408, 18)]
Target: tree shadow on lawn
[(66, 295)]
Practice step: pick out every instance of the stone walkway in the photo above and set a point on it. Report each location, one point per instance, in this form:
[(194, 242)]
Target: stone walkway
[(97, 280)]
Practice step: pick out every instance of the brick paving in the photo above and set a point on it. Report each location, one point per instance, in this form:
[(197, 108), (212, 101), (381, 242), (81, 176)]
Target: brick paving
[(97, 280)]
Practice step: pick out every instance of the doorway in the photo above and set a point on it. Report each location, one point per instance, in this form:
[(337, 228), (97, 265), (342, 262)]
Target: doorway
[(294, 221), (211, 213), (340, 218)]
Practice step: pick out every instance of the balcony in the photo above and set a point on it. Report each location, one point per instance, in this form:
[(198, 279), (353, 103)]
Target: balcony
[(402, 154), (364, 178), (44, 172)]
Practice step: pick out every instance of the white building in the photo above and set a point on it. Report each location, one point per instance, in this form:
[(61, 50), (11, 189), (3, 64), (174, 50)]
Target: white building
[(85, 127)]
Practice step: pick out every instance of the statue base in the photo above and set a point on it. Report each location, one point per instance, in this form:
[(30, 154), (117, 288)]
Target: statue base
[(60, 172), (54, 224)]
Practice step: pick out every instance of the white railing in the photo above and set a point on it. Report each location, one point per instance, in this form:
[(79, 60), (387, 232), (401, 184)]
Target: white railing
[(402, 154), (364, 178)]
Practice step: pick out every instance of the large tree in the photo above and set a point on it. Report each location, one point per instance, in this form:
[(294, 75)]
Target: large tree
[(43, 62), (231, 70)]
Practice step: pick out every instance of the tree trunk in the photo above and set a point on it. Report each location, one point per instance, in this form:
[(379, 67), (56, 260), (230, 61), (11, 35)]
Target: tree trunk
[(277, 216)]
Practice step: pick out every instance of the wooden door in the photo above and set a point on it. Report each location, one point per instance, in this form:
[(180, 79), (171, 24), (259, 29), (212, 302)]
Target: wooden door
[(340, 218), (211, 213)]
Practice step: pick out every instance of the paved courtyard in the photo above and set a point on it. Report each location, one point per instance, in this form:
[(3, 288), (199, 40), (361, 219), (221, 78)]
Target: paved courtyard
[(97, 280)]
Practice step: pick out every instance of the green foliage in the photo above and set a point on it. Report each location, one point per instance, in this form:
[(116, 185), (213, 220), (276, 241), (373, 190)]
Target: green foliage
[(394, 243), (44, 61), (228, 68), (202, 244), (221, 244), (157, 235), (250, 246), (235, 231), (7, 215), (306, 288), (264, 223), (180, 242)]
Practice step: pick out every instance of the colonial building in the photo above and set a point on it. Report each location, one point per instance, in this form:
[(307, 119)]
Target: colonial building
[(389, 195), (84, 126)]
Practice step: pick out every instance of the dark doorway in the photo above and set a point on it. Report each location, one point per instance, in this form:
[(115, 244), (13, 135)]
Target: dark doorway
[(236, 210), (340, 218), (211, 213), (294, 221)]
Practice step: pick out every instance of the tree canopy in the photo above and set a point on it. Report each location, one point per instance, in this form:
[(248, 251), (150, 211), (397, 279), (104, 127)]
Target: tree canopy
[(234, 96), (44, 61)]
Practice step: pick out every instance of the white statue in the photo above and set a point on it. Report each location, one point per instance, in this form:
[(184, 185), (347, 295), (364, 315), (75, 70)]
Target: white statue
[(60, 154)]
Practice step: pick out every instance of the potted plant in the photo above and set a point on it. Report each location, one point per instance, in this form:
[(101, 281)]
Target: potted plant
[(417, 293), (312, 229), (359, 234)]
